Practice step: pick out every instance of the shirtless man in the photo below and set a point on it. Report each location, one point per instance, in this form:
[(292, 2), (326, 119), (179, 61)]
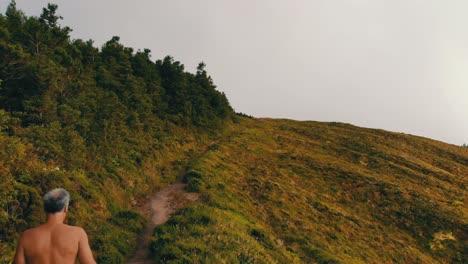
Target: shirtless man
[(54, 241)]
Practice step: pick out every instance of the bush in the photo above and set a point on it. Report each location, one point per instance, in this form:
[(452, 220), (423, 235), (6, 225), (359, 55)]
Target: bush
[(193, 180), (130, 220), (110, 255)]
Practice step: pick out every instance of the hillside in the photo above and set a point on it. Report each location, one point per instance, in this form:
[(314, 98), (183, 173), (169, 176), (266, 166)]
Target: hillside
[(109, 124), (282, 191), (112, 126)]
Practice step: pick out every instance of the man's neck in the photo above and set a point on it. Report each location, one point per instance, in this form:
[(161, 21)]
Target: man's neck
[(56, 218)]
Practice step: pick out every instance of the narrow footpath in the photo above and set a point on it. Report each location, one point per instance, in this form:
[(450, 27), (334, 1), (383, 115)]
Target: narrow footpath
[(157, 210)]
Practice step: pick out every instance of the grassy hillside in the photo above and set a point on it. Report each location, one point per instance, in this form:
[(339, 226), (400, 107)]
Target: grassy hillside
[(101, 197), (281, 191), (112, 125), (109, 124)]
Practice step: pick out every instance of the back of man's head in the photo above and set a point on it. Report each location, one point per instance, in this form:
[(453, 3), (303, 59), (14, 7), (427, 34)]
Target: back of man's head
[(56, 200)]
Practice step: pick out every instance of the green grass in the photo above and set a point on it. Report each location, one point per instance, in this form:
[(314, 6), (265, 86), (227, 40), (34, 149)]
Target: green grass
[(101, 198), (310, 192), (272, 191)]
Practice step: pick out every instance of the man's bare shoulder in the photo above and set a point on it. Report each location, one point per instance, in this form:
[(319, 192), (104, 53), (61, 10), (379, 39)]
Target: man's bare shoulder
[(31, 234), (44, 228), (32, 231), (78, 231), (74, 228)]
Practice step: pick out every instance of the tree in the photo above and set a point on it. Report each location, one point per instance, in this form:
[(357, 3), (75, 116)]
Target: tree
[(49, 16), (14, 16)]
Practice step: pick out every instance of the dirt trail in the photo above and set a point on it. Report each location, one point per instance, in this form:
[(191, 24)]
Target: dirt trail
[(158, 209)]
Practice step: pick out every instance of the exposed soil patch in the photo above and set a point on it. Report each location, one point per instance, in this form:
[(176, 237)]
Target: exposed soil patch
[(157, 210)]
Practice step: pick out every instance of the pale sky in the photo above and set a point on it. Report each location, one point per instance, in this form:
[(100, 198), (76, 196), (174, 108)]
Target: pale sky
[(398, 65)]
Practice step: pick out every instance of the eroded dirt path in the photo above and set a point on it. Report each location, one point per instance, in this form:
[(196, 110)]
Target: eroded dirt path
[(157, 210)]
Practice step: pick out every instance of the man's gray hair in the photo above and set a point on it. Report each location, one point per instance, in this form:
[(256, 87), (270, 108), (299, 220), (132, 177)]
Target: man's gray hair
[(56, 200)]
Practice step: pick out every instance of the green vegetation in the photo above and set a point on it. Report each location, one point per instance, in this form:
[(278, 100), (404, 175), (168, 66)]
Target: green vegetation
[(244, 115), (112, 126), (109, 125), (284, 191)]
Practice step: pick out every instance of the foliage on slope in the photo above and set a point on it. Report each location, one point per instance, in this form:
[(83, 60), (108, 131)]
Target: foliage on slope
[(109, 124), (308, 192)]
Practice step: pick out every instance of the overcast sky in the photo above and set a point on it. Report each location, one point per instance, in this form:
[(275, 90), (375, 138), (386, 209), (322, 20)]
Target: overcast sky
[(399, 65)]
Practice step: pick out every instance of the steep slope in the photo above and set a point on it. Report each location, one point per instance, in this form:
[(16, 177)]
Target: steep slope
[(109, 124), (304, 192)]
